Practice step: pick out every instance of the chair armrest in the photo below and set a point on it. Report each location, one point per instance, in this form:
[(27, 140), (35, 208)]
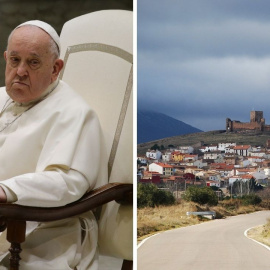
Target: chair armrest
[(91, 200), (14, 216)]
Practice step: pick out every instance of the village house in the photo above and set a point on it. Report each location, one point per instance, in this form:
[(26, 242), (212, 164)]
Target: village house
[(150, 177), (153, 154), (209, 148), (167, 156), (257, 153), (243, 171), (223, 146), (254, 160), (230, 159), (216, 155), (161, 168), (189, 158), (186, 149), (190, 170), (199, 163), (142, 159), (229, 150), (177, 156), (242, 162), (260, 177), (240, 178), (242, 150)]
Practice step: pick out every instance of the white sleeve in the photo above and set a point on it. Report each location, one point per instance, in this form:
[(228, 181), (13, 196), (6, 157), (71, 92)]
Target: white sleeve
[(46, 189)]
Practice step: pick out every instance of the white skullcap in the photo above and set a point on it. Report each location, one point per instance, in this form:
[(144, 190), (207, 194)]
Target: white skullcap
[(46, 27)]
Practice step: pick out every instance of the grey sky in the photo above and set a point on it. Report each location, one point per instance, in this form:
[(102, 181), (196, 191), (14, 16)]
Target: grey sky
[(201, 61)]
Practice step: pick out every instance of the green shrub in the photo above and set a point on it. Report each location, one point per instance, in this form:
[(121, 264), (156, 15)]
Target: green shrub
[(201, 195), (150, 195), (251, 199)]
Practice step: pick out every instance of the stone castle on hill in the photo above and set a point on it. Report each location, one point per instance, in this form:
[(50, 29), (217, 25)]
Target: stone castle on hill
[(257, 123)]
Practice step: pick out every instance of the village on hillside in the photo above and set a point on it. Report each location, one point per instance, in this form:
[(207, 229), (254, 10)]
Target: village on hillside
[(231, 169)]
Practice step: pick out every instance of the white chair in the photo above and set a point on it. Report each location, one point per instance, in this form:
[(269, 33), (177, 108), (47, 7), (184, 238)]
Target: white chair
[(97, 50)]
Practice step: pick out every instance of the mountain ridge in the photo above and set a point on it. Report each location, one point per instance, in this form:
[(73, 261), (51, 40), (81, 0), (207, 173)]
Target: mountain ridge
[(155, 125)]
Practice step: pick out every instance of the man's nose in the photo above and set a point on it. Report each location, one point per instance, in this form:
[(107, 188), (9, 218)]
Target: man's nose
[(22, 69)]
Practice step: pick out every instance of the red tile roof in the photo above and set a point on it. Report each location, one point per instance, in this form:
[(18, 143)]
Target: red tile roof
[(241, 147)]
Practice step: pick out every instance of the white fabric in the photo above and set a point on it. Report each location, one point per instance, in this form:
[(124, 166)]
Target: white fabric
[(46, 27), (50, 156)]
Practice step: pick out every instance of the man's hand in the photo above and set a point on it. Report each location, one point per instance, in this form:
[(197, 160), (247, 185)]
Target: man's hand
[(3, 196)]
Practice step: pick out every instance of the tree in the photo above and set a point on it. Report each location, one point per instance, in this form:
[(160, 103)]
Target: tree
[(201, 195), (241, 188), (251, 199), (155, 147), (150, 195)]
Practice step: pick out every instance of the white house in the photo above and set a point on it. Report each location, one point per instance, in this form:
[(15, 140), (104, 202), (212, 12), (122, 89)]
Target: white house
[(142, 159), (224, 146), (153, 154), (167, 156), (212, 155), (209, 148), (186, 149), (161, 168), (229, 150), (242, 150), (199, 164)]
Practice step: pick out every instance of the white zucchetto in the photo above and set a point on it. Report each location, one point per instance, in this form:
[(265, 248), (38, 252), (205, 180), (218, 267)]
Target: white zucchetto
[(46, 27)]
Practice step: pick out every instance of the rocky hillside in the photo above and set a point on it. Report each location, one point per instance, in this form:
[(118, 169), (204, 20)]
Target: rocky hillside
[(196, 139)]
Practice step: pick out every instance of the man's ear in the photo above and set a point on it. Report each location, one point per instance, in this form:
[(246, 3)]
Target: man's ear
[(58, 65), (5, 55)]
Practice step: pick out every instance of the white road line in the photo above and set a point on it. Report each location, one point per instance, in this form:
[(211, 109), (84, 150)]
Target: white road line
[(144, 240), (245, 233)]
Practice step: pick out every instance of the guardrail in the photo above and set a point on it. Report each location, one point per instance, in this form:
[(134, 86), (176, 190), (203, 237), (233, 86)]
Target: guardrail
[(207, 214)]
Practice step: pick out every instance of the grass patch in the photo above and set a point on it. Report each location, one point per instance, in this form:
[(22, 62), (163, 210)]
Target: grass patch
[(261, 233)]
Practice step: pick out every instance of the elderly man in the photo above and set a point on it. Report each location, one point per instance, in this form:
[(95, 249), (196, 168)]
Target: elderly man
[(49, 150)]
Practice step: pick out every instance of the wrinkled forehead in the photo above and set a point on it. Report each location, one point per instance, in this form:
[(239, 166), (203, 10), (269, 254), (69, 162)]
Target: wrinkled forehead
[(29, 36)]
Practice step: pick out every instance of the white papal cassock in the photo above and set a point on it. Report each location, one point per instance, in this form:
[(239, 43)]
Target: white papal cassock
[(49, 156)]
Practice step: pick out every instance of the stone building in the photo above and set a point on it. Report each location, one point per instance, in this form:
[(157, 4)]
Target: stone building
[(257, 123), (54, 12)]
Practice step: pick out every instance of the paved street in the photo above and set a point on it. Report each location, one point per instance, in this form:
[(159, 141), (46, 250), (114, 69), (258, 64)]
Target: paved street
[(214, 245)]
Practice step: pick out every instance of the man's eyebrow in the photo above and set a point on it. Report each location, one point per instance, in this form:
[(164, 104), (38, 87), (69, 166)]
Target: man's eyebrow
[(13, 53), (16, 53)]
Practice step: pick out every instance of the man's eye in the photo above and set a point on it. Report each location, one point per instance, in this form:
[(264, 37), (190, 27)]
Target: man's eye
[(14, 59), (34, 63)]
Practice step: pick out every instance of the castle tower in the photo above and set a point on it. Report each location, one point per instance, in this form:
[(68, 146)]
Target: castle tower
[(256, 116)]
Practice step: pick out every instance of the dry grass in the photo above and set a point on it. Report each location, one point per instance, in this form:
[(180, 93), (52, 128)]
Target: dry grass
[(261, 233), (153, 220)]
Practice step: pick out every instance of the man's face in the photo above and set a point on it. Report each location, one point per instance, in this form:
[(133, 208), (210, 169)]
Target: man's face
[(30, 65)]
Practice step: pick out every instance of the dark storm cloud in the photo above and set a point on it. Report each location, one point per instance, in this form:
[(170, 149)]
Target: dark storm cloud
[(203, 61)]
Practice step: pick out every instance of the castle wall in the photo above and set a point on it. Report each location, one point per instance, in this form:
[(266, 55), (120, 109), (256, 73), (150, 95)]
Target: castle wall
[(257, 123), (247, 126)]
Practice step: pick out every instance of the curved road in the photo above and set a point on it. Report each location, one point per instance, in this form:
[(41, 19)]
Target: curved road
[(215, 245)]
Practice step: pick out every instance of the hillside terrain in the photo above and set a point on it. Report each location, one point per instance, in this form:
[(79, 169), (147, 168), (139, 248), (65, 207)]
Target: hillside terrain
[(210, 137), (154, 126)]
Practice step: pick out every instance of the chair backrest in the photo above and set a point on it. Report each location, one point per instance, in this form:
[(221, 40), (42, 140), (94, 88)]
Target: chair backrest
[(97, 50)]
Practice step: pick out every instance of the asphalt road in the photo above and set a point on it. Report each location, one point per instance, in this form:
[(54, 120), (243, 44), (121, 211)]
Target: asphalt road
[(214, 245)]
